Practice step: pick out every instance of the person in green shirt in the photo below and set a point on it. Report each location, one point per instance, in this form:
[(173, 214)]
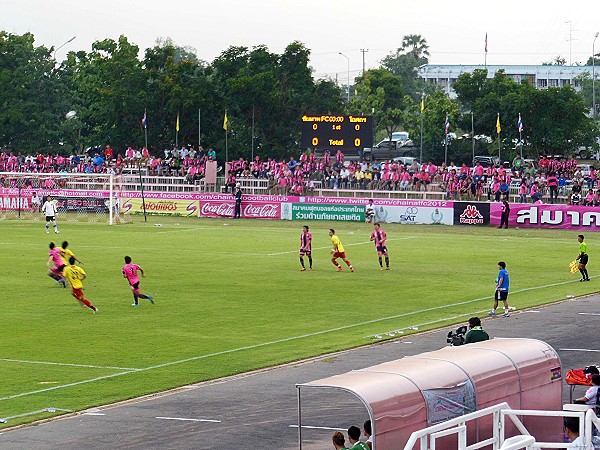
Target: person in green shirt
[(354, 439), (583, 259), (475, 333), (530, 170)]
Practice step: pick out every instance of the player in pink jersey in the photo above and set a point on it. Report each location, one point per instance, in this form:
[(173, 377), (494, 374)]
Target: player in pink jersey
[(130, 272), (380, 237), (305, 248), (56, 265)]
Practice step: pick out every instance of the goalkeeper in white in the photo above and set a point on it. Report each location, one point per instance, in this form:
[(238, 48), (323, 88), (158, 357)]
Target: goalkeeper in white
[(49, 210)]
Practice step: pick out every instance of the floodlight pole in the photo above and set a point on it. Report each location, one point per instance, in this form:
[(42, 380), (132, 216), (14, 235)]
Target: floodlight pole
[(594, 77), (348, 85)]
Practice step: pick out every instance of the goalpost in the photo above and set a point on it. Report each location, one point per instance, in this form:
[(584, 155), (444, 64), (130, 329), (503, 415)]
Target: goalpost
[(79, 197)]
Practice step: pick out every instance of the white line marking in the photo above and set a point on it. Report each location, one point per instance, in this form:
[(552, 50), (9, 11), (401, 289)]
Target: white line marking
[(92, 414), (319, 428), (578, 350), (189, 420), (345, 245), (588, 314), (277, 341), (67, 364)]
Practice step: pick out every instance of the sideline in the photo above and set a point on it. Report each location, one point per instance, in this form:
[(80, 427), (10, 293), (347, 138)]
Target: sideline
[(277, 341)]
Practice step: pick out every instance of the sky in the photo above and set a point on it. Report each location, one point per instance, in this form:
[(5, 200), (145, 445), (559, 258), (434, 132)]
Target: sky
[(519, 32)]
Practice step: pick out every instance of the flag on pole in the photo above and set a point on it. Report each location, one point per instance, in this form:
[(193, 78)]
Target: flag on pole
[(498, 128), (422, 104), (145, 120), (447, 124), (520, 124), (225, 122), (177, 123), (486, 42)]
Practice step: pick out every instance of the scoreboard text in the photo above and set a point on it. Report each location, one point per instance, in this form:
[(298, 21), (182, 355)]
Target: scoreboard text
[(337, 132)]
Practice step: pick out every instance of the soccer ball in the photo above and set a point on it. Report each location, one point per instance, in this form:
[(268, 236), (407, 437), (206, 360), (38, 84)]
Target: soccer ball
[(70, 115)]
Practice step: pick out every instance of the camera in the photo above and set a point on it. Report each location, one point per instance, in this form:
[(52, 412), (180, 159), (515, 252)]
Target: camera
[(457, 337)]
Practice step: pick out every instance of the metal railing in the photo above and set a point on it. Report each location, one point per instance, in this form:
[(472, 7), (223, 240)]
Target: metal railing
[(426, 438)]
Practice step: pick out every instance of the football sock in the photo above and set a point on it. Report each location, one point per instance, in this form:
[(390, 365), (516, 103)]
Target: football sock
[(87, 303), (309, 261), (348, 263), (582, 271), (387, 261), (380, 262), (585, 272), (302, 261), (142, 296)]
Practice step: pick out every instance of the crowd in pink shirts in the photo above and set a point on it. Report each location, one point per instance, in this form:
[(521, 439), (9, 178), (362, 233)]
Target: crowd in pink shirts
[(552, 176)]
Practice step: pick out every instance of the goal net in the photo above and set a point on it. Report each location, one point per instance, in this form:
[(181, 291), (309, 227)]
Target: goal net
[(79, 197)]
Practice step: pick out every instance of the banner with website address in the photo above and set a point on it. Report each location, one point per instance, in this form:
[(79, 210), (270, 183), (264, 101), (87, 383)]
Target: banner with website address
[(342, 213)]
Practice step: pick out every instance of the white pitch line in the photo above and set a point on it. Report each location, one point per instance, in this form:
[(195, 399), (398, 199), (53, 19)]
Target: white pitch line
[(90, 366), (578, 350), (312, 427), (345, 245), (92, 414), (588, 314), (189, 420), (265, 344)]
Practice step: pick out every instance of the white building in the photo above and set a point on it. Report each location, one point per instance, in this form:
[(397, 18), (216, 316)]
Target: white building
[(541, 77)]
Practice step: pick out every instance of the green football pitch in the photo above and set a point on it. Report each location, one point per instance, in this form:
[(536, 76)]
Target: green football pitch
[(230, 298)]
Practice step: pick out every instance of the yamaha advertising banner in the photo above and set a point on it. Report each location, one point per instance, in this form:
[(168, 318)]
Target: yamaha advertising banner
[(471, 213)]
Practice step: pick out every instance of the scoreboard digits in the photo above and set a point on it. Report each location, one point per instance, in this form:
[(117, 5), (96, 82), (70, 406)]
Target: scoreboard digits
[(337, 132)]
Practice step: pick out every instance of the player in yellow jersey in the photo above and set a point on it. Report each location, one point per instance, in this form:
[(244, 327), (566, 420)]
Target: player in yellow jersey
[(338, 251), (66, 253), (75, 275)]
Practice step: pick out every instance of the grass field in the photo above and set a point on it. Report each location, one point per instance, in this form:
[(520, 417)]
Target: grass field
[(230, 298)]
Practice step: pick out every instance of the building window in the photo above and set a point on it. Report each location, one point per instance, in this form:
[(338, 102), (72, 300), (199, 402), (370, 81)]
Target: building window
[(576, 83), (553, 82), (542, 84), (565, 82)]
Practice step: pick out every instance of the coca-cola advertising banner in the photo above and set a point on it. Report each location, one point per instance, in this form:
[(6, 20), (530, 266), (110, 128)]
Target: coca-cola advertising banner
[(250, 209), (467, 213), (565, 217)]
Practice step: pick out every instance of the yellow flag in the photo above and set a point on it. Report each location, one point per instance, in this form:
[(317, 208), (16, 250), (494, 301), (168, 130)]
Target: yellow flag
[(498, 128), (422, 104), (177, 124), (225, 122), (574, 267)]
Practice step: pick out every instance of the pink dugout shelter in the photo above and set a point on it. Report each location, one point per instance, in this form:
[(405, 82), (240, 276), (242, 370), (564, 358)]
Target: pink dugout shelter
[(415, 392)]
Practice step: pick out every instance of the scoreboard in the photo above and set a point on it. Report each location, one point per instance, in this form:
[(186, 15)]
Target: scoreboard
[(337, 132)]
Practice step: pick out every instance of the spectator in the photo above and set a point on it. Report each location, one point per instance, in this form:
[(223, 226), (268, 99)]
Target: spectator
[(367, 432), (523, 192), (475, 333), (354, 439), (571, 428), (505, 214), (591, 395), (575, 198), (338, 440)]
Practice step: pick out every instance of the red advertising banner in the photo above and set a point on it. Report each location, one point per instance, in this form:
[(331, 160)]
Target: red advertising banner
[(250, 209)]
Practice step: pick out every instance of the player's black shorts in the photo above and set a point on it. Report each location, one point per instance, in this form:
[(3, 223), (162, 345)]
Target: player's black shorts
[(501, 295), (49, 218), (584, 259), (60, 268), (383, 249), (136, 285)]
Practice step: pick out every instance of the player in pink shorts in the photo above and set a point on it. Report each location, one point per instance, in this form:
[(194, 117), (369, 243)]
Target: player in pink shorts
[(56, 265), (130, 272)]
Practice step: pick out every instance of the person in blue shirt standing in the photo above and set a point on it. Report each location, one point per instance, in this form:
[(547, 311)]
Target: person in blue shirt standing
[(502, 283)]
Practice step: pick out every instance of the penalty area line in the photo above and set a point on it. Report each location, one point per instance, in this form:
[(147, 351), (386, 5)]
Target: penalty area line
[(89, 366), (274, 342), (345, 245)]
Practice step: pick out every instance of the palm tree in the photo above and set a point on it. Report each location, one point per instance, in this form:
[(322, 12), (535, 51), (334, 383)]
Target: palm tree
[(416, 46)]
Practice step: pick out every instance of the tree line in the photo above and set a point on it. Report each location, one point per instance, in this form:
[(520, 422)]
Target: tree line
[(110, 87)]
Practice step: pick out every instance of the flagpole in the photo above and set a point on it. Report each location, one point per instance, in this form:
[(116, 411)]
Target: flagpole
[(199, 128), (177, 131), (252, 134), (498, 129), (485, 58), (473, 135), (226, 144), (422, 108), (145, 128)]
